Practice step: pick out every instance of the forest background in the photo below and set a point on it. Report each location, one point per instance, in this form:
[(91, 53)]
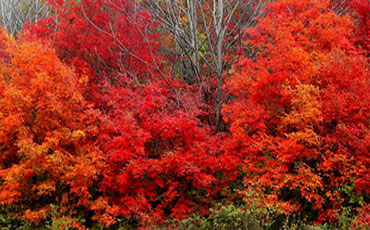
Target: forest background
[(192, 114)]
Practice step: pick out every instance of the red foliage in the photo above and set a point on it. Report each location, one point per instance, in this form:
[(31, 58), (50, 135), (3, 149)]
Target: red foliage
[(302, 109), (162, 161), (101, 37), (361, 13)]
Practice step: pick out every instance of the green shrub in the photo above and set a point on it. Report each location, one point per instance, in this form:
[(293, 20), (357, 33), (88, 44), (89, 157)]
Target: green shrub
[(228, 217)]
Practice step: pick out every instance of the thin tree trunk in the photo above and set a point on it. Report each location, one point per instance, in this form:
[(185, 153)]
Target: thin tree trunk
[(219, 64)]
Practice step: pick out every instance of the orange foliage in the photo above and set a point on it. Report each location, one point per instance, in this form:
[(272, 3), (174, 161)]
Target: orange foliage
[(47, 132)]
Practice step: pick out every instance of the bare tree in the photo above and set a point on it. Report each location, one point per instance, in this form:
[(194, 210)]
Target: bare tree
[(340, 6), (15, 13), (204, 31)]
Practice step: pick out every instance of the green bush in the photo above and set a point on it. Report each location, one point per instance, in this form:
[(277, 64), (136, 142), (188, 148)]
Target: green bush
[(228, 217)]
